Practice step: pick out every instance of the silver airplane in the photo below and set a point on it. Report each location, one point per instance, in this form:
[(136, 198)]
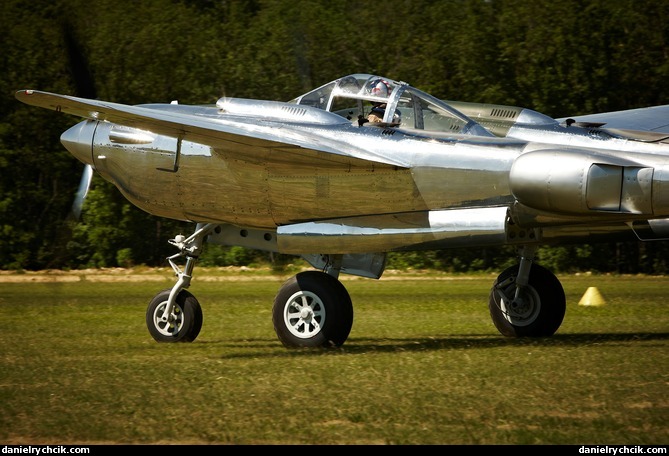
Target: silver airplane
[(367, 165)]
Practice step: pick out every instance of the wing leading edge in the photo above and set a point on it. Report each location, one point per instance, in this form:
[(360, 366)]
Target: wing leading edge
[(654, 119), (203, 124)]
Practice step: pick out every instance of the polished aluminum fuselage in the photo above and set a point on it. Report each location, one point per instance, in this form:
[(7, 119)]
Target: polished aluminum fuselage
[(376, 188), (301, 179), (267, 186)]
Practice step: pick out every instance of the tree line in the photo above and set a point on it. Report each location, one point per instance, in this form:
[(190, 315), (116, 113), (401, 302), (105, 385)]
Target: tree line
[(560, 58)]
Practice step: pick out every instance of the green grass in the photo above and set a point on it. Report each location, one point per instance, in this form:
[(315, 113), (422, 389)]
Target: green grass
[(423, 365)]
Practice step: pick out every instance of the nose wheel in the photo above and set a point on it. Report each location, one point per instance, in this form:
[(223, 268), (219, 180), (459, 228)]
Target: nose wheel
[(181, 324)]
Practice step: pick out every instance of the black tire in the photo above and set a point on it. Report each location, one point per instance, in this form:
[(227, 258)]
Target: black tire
[(539, 311), (312, 309), (185, 322)]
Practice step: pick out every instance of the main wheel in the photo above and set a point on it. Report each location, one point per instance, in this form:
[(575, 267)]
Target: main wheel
[(312, 309), (184, 322), (537, 311)]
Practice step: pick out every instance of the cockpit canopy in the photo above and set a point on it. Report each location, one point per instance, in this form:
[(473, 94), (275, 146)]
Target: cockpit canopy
[(402, 105)]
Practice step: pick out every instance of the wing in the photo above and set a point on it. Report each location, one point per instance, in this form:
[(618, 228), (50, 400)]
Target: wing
[(653, 119), (205, 125)]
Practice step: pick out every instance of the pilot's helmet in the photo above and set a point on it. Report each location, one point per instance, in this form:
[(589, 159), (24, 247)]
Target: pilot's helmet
[(379, 88)]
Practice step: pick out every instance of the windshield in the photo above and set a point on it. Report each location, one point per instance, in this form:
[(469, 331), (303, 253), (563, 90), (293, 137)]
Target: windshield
[(363, 97)]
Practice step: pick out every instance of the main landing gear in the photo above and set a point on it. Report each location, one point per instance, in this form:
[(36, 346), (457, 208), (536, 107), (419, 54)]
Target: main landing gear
[(527, 300), (313, 309)]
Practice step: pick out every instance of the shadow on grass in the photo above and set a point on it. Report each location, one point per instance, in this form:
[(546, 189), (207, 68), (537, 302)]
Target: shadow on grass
[(461, 342)]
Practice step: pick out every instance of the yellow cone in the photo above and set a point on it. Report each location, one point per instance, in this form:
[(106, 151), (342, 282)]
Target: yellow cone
[(592, 297)]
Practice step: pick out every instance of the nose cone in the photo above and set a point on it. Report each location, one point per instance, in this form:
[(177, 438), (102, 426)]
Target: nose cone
[(79, 141)]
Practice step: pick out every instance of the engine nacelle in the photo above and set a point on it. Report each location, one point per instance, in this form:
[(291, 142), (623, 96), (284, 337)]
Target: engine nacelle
[(573, 182), (278, 111)]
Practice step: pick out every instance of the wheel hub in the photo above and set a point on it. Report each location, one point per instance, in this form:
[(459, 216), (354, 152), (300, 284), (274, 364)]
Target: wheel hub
[(520, 310), (306, 313), (520, 306), (167, 325)]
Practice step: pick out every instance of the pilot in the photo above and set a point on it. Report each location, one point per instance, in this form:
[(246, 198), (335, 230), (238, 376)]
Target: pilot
[(380, 88)]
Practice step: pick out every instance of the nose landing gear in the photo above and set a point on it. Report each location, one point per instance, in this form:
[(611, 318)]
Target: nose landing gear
[(174, 315)]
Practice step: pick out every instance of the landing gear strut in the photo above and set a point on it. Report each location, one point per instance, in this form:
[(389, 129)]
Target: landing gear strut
[(174, 315)]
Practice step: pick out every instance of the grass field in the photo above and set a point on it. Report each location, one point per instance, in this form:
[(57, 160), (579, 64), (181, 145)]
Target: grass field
[(423, 365)]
